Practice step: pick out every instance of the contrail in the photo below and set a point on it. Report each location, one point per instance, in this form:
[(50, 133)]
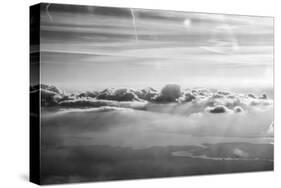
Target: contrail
[(134, 24), (47, 11)]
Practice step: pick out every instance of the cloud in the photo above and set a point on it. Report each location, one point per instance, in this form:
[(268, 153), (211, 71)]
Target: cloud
[(238, 109), (50, 88), (223, 92), (170, 99), (144, 123), (84, 102), (187, 97), (94, 103), (252, 96), (147, 94), (260, 102), (50, 95), (223, 40), (169, 93), (91, 94), (49, 98), (123, 94), (160, 122), (217, 109), (88, 110), (263, 96)]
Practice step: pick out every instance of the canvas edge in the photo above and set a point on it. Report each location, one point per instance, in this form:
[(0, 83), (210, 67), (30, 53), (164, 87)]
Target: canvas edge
[(34, 104)]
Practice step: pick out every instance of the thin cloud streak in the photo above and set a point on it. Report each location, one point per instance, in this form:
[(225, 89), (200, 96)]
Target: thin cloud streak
[(148, 42)]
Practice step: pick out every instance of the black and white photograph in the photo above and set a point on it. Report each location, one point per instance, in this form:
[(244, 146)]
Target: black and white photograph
[(130, 93)]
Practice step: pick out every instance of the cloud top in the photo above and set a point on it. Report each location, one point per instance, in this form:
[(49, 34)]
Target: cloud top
[(217, 109), (170, 99), (192, 111)]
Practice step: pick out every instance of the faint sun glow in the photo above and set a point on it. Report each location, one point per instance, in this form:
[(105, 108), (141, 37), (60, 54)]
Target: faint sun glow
[(187, 22)]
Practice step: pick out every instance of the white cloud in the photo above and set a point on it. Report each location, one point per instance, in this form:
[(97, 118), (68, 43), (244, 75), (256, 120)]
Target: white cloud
[(217, 109), (171, 99), (210, 113)]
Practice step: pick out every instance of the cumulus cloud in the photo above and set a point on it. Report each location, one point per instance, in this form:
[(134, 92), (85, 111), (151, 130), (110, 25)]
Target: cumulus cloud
[(263, 96), (187, 97), (171, 99), (238, 109), (217, 109), (147, 94), (197, 112), (50, 95), (262, 102), (49, 98), (123, 94), (50, 88), (200, 117), (90, 94), (252, 96), (224, 92), (169, 93), (201, 92)]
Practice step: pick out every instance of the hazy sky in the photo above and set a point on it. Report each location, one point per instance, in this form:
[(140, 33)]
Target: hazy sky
[(95, 47)]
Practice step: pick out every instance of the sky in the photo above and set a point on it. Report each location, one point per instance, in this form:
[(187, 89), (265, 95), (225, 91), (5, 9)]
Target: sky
[(88, 47)]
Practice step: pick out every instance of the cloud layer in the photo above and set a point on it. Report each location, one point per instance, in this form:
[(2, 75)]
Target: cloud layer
[(170, 99)]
